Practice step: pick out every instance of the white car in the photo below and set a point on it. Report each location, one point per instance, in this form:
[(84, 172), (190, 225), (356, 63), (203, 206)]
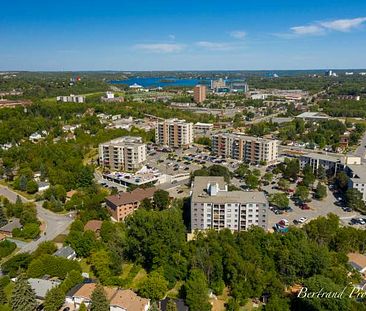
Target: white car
[(361, 221), (302, 220)]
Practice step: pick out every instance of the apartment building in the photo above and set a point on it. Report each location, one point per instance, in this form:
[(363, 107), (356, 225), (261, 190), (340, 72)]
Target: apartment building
[(174, 133), (245, 148), (214, 207), (125, 203), (357, 180), (199, 93), (71, 99), (125, 153), (331, 163)]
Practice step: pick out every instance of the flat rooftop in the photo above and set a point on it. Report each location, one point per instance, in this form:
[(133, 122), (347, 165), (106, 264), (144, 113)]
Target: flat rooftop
[(200, 193)]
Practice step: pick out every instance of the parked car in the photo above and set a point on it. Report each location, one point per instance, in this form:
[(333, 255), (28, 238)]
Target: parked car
[(302, 220), (304, 206), (347, 209)]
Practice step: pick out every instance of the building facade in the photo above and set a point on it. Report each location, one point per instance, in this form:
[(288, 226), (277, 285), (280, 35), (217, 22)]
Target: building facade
[(214, 207), (125, 153), (357, 178), (199, 93), (174, 133), (71, 99), (245, 148), (331, 163), (125, 203)]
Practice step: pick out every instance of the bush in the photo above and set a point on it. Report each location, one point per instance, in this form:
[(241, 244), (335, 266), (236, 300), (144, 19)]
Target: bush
[(6, 248), (53, 266), (29, 231)]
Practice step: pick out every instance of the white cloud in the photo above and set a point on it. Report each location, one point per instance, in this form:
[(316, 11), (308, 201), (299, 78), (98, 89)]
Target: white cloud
[(238, 34), (307, 30), (214, 46), (160, 47), (323, 27), (344, 25)]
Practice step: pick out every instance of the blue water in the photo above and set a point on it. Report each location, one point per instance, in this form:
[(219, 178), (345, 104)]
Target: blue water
[(156, 82)]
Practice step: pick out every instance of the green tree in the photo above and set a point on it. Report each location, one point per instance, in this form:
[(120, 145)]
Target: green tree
[(283, 184), (54, 299), (3, 298), (276, 303), (99, 300), (171, 306), (196, 290), (251, 181), (354, 200), (3, 219), (302, 192), (292, 168), (161, 199), (321, 173), (321, 191), (32, 186), (154, 287), (232, 305), (341, 181), (280, 200), (23, 183), (46, 247), (83, 307), (23, 297), (146, 204)]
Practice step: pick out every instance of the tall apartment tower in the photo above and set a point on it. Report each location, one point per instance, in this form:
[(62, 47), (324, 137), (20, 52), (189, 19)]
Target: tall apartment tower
[(245, 148), (214, 207), (199, 93), (174, 133), (125, 153)]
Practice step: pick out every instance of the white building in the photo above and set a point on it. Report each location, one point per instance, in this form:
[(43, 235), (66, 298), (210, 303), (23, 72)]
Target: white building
[(357, 174), (330, 162), (125, 153), (71, 99), (203, 127), (174, 133), (214, 207)]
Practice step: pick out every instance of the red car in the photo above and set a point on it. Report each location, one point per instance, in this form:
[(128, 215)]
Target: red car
[(304, 206)]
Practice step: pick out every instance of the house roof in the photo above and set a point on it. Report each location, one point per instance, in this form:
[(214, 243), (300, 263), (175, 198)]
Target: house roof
[(70, 193), (124, 298), (65, 252), (127, 299), (41, 287), (356, 260), (130, 197), (93, 225), (12, 224)]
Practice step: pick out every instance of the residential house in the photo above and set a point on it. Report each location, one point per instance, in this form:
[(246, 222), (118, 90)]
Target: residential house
[(41, 286), (94, 225), (357, 261), (66, 252), (10, 226)]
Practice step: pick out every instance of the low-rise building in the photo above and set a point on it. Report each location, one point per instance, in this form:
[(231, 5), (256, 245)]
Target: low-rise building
[(313, 116), (213, 206), (125, 153), (245, 148), (174, 133), (119, 299), (10, 226), (357, 180), (332, 163), (93, 225), (41, 286), (203, 127), (125, 203), (71, 99), (357, 261), (66, 252)]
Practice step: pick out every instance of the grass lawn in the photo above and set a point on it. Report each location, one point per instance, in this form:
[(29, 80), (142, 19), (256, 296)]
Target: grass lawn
[(86, 268), (141, 275), (60, 238)]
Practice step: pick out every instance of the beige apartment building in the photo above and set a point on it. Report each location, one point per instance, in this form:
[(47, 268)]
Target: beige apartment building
[(199, 94), (123, 154), (174, 133), (245, 148), (213, 206)]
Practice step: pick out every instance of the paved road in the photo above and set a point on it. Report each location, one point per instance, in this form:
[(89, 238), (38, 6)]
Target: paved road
[(55, 223)]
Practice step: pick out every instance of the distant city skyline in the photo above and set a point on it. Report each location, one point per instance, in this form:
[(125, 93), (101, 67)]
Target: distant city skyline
[(194, 35)]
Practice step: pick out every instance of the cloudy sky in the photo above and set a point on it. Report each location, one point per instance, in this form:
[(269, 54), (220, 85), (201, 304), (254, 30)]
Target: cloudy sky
[(182, 35)]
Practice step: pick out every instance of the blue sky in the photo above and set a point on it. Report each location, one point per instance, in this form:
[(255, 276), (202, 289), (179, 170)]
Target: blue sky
[(182, 35)]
